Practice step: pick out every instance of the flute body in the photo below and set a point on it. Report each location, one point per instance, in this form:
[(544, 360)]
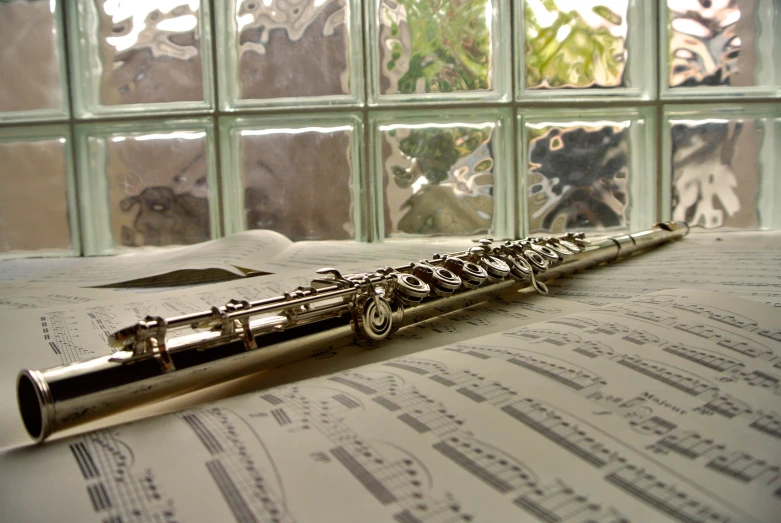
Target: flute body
[(244, 337)]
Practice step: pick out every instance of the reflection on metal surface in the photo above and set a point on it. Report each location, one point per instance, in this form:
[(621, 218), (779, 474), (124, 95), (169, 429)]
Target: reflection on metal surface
[(292, 48), (442, 178), (29, 67), (149, 51), (33, 195), (715, 173), (158, 193), (706, 41), (298, 182), (430, 47), (578, 176), (575, 43)]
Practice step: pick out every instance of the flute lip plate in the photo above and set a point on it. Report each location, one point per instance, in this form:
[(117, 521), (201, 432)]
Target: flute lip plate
[(35, 404)]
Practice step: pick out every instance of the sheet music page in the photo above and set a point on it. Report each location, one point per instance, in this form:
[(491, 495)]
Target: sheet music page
[(225, 254), (16, 295), (742, 264), (25, 268), (663, 408)]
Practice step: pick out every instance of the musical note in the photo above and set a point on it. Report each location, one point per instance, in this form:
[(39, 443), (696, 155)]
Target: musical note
[(62, 338), (724, 339), (743, 467), (557, 370), (565, 433), (388, 473), (773, 334), (238, 470), (769, 424), (727, 406), (720, 315), (669, 499), (611, 328), (706, 358), (559, 502), (353, 384), (410, 368), (689, 444), (649, 315), (761, 379), (500, 471), (561, 371), (668, 375), (204, 434), (653, 425), (115, 490), (593, 349), (559, 339), (575, 321), (641, 338)]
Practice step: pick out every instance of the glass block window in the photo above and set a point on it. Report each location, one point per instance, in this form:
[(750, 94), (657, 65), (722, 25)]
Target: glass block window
[(37, 213), (389, 119), (449, 50), (720, 48), (722, 171), (282, 53), (297, 176), (32, 61), (148, 185), (141, 57), (584, 49), (587, 171), (442, 174)]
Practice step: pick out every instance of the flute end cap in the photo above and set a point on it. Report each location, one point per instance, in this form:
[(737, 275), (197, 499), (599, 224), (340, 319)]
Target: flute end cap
[(34, 402)]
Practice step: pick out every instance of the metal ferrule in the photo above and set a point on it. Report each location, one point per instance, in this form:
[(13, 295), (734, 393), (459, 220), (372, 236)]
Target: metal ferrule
[(244, 337)]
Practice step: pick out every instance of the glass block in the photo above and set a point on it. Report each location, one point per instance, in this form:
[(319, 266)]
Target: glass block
[(451, 50), (140, 57), (32, 70), (720, 48), (297, 175), (444, 173), (585, 49), (278, 53), (147, 184), (587, 170), (722, 165), (38, 215)]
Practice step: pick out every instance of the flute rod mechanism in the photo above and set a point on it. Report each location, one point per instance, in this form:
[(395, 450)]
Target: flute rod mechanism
[(244, 337)]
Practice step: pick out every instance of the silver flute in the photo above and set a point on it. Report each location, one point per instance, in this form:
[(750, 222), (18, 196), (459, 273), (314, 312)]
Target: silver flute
[(244, 337)]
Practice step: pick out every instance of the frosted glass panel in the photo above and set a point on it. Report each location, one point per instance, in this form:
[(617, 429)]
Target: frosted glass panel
[(718, 47), (450, 49), (723, 166), (588, 173), (141, 56), (30, 61), (282, 53), (34, 194), (441, 176), (148, 186), (575, 44), (296, 177)]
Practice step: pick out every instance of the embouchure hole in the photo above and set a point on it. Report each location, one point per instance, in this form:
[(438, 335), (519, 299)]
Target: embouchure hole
[(30, 407)]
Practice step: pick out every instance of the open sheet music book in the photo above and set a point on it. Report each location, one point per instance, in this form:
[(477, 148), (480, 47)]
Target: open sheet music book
[(665, 406)]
